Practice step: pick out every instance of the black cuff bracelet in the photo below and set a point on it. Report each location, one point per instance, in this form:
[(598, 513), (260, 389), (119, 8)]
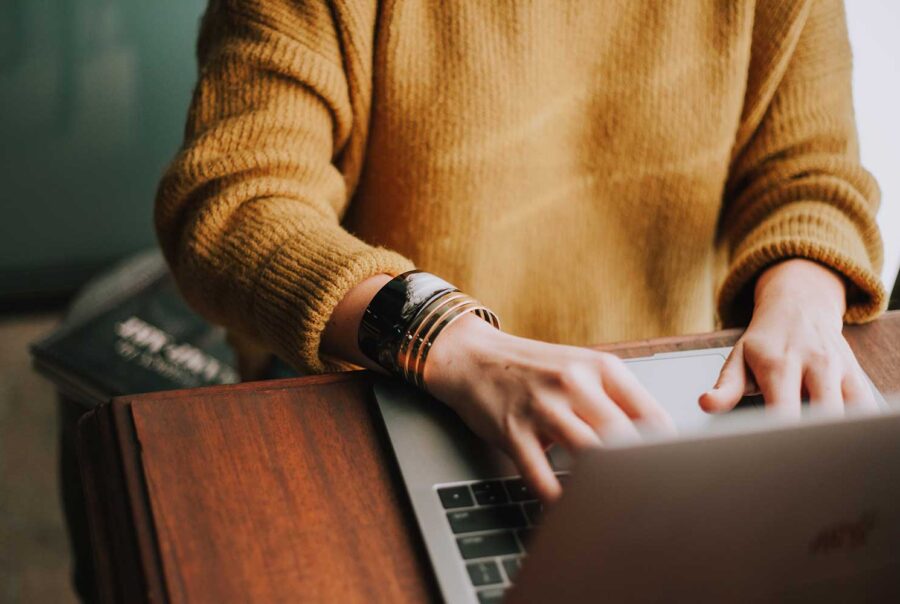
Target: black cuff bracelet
[(395, 324)]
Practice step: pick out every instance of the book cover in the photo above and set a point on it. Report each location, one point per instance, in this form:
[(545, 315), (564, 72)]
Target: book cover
[(132, 332)]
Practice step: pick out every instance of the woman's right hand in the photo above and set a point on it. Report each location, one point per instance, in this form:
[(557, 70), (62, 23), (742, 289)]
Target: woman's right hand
[(524, 395), (519, 394)]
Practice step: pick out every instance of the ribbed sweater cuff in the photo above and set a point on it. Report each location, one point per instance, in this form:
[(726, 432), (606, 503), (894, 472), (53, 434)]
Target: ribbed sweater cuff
[(302, 283), (812, 230)]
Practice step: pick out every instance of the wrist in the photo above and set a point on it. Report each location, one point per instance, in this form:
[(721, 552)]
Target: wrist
[(340, 338), (801, 282), (405, 318), (458, 348)]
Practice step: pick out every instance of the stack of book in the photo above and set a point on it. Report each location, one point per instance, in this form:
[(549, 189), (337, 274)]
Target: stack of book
[(130, 331)]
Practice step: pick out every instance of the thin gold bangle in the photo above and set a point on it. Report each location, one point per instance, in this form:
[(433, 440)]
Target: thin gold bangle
[(435, 328), (428, 327), (445, 321), (412, 335)]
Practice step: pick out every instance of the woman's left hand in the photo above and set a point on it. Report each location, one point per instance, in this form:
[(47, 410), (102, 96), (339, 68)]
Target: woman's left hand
[(793, 348)]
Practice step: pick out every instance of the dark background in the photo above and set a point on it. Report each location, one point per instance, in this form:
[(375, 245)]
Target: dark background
[(93, 96)]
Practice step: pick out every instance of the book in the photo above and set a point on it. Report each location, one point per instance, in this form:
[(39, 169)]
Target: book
[(130, 331)]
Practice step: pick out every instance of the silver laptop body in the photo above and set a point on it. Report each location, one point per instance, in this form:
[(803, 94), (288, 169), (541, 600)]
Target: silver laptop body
[(790, 513), (437, 454)]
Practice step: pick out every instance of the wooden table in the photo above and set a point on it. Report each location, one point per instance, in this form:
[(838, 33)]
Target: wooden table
[(285, 490)]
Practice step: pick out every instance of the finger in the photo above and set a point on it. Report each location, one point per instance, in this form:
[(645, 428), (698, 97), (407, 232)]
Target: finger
[(823, 383), (857, 393), (563, 426), (628, 394), (731, 385), (528, 455), (608, 421), (779, 381)]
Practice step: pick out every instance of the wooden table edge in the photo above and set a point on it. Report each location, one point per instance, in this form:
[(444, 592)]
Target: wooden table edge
[(111, 517)]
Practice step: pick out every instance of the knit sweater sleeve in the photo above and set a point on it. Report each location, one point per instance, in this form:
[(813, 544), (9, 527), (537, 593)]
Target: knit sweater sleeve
[(796, 187), (248, 214)]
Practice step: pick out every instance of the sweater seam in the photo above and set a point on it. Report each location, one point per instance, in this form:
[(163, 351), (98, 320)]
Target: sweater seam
[(250, 17)]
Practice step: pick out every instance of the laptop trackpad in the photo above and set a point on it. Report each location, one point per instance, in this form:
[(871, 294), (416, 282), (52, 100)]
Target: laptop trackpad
[(676, 380)]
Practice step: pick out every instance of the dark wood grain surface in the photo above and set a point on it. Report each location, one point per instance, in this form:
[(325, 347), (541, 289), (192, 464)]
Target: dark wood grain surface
[(286, 490), (288, 494)]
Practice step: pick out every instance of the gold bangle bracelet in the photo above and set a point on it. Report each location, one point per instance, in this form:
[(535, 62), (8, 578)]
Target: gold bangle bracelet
[(423, 327), (438, 324), (405, 316), (411, 338), (427, 325), (445, 321)]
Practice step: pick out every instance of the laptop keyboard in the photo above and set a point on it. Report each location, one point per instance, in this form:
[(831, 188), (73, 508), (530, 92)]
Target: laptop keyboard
[(491, 522)]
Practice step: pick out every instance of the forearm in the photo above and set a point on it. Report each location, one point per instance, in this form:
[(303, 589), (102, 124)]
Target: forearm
[(805, 283), (248, 214), (796, 188), (340, 338)]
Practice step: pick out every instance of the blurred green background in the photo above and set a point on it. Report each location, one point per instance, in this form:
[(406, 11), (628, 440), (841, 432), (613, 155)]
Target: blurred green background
[(93, 97)]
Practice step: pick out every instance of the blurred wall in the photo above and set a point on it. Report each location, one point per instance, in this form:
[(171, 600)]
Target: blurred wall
[(93, 96), (875, 36)]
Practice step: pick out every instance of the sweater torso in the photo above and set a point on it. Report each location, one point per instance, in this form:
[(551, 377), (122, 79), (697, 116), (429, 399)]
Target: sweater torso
[(565, 166), (592, 171)]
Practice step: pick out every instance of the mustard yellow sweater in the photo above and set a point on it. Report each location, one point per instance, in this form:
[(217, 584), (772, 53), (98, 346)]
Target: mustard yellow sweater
[(592, 171)]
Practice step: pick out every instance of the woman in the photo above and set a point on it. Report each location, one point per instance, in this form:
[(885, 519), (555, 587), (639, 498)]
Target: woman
[(591, 171)]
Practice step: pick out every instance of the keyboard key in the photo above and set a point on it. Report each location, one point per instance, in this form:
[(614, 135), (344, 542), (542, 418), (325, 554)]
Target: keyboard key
[(456, 497), (490, 492), (750, 401), (483, 546), (486, 519), (524, 536), (512, 566), (563, 478), (533, 509), (518, 491), (491, 596), (484, 573)]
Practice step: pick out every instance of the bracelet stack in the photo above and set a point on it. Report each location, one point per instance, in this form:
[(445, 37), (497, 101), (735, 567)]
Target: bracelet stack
[(406, 316)]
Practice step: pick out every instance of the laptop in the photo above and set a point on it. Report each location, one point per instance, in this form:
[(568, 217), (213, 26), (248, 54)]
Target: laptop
[(734, 508)]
